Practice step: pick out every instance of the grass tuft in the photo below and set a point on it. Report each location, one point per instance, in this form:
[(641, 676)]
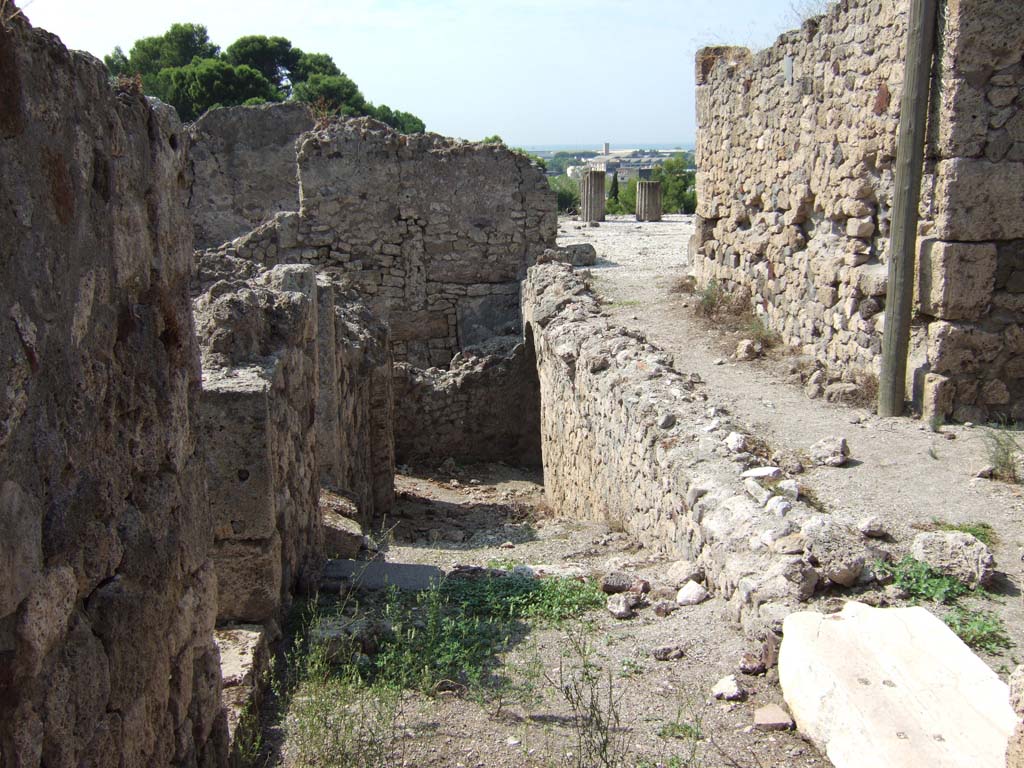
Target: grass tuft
[(923, 582), (982, 630), (1005, 453), (983, 532)]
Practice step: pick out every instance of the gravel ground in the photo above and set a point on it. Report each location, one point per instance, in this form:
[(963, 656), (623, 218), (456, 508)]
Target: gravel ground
[(902, 471), (494, 514)]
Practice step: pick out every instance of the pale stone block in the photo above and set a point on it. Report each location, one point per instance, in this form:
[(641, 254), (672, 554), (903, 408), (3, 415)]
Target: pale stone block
[(892, 687), (955, 280)]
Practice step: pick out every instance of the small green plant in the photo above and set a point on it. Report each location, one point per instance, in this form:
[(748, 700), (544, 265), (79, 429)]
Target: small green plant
[(983, 532), (677, 730), (631, 668), (982, 630), (932, 453), (594, 703), (922, 581), (1005, 452), (709, 299), (753, 327), (936, 422)]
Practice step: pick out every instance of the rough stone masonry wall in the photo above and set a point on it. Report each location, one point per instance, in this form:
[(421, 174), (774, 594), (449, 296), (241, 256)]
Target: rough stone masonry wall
[(796, 148), (629, 440), (242, 168), (107, 590), (260, 385), (435, 233), (296, 394), (486, 407)]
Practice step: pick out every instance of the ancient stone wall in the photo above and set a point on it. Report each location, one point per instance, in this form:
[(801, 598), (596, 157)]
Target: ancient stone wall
[(242, 168), (629, 440), (260, 386), (435, 233), (107, 590), (796, 149), (486, 407), (296, 394)]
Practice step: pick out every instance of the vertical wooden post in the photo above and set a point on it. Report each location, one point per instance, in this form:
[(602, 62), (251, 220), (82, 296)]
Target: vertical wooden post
[(903, 243)]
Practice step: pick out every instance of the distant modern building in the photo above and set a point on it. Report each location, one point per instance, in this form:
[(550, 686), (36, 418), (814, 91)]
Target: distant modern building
[(607, 148)]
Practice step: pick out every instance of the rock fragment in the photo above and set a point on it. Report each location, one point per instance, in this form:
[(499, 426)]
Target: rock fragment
[(830, 452), (772, 717), (955, 554), (692, 593), (728, 689)]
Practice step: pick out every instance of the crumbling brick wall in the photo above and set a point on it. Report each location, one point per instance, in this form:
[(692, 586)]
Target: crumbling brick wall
[(629, 440), (107, 590), (796, 151), (435, 233), (242, 168)]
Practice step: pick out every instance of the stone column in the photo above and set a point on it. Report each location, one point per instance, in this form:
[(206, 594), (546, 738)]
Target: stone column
[(648, 201), (592, 196)]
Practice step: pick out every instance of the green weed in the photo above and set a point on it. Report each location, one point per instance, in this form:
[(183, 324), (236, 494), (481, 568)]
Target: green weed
[(677, 730), (983, 532), (1004, 451), (922, 581), (981, 630)]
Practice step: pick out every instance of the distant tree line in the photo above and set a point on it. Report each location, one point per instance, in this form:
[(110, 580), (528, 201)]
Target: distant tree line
[(184, 69)]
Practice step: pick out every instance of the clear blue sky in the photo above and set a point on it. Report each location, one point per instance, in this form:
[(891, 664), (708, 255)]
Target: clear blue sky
[(533, 71)]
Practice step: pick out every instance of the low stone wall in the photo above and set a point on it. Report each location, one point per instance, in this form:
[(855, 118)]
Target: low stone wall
[(629, 440), (796, 150), (107, 589), (242, 168), (485, 408), (435, 233)]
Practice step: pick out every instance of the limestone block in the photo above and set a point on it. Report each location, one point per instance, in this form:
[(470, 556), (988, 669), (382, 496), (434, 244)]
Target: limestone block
[(1015, 748), (955, 554), (937, 398), (892, 687), (955, 280), (249, 578), (979, 201)]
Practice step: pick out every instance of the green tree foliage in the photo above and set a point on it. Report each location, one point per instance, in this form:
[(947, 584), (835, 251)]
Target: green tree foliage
[(678, 193), (338, 92), (495, 139), (309, 64), (567, 192), (400, 121), (207, 83), (272, 57), (613, 188), (183, 68), (175, 48)]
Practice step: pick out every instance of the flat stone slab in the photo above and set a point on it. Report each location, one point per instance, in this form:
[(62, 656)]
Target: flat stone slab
[(377, 574), (892, 687)]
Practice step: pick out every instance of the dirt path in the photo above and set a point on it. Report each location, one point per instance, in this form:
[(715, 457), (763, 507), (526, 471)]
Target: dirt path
[(903, 472), (493, 515)]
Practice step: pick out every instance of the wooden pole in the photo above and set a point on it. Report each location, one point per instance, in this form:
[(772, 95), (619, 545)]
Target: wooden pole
[(903, 244)]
